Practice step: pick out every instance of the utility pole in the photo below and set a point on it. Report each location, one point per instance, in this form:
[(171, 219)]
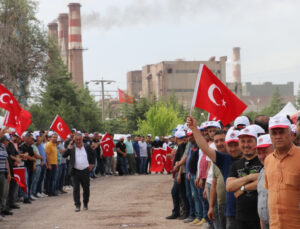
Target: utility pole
[(102, 92)]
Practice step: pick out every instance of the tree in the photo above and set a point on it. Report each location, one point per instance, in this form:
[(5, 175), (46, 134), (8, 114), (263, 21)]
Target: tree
[(160, 120), (276, 104), (298, 98), (23, 46)]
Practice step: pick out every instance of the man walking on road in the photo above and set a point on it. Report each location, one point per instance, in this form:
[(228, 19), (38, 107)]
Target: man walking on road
[(82, 159)]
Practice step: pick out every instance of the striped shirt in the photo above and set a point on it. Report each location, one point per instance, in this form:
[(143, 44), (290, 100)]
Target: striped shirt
[(3, 158)]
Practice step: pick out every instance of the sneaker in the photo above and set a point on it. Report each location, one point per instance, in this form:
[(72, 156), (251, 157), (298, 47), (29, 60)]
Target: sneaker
[(189, 219), (33, 197), (172, 217), (14, 206), (77, 209), (1, 217), (85, 208), (44, 194), (195, 221), (182, 217), (201, 222), (6, 212), (36, 196), (62, 191), (39, 195), (205, 226)]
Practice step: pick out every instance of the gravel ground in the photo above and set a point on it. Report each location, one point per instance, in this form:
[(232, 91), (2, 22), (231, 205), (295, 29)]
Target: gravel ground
[(115, 202)]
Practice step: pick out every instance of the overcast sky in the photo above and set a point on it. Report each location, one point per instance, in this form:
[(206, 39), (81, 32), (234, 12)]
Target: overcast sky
[(124, 35)]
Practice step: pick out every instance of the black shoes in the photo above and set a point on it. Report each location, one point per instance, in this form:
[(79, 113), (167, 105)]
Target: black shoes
[(6, 212), (77, 209), (172, 217), (14, 206), (62, 191), (27, 201), (85, 207)]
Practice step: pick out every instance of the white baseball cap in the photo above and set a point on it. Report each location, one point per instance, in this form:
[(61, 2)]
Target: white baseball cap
[(294, 128), (232, 136), (180, 134), (279, 122), (213, 124), (149, 135), (50, 133), (189, 132), (248, 131), (156, 138), (264, 141), (241, 120), (128, 136), (258, 129), (91, 135)]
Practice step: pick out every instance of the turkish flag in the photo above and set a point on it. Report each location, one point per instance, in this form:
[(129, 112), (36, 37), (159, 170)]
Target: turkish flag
[(8, 101), (125, 98), (157, 161), (168, 164), (212, 117), (19, 176), (212, 95), (19, 122), (60, 127), (107, 145)]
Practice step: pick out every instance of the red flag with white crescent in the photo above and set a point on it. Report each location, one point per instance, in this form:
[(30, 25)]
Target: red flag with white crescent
[(157, 161), (19, 122), (107, 145), (212, 117), (212, 95), (19, 176), (60, 127), (168, 164), (8, 101), (125, 98)]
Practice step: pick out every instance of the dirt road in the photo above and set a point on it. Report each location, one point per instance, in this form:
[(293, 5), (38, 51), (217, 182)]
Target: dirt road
[(116, 202)]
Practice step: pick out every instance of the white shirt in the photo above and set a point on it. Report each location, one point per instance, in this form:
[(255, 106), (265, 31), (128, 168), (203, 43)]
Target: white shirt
[(143, 149), (81, 159), (209, 178)]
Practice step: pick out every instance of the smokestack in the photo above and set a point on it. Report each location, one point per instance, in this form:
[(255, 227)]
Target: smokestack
[(63, 36), (75, 64), (236, 65), (52, 31)]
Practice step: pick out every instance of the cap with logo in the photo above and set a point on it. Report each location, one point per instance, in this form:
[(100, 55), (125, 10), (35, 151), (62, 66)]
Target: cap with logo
[(248, 131), (180, 134), (213, 124), (264, 141), (232, 136), (189, 132), (279, 122)]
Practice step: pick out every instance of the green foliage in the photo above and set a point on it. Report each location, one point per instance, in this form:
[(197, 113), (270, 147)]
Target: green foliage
[(23, 46), (276, 104), (160, 120)]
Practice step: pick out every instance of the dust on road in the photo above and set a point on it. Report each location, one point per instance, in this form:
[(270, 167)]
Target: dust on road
[(116, 202)]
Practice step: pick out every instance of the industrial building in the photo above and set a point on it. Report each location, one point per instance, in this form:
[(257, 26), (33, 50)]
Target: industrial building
[(167, 77), (179, 77), (66, 31)]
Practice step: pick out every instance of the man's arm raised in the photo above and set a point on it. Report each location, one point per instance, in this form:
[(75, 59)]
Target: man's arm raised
[(201, 142)]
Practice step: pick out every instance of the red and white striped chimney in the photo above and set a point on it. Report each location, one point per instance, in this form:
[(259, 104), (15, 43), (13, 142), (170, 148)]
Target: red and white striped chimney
[(63, 36), (75, 63)]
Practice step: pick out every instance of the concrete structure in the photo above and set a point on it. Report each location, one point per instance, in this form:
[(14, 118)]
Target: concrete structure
[(259, 96), (179, 77), (236, 72), (134, 83), (75, 63), (53, 31), (63, 36)]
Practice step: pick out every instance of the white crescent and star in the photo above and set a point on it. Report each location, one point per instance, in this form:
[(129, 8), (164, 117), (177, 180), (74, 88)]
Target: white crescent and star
[(17, 176), (211, 95), (59, 126), (106, 148), (2, 98), (157, 155)]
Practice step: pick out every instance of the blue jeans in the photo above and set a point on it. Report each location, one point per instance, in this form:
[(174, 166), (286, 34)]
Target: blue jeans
[(188, 193), (196, 197), (143, 163), (204, 203), (50, 179), (41, 179), (57, 177), (216, 223), (122, 164), (35, 179), (61, 181)]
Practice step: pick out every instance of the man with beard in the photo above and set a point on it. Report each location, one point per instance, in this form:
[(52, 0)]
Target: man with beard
[(242, 180)]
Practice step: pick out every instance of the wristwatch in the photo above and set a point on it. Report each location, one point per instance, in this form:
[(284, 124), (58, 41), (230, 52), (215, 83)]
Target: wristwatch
[(243, 188)]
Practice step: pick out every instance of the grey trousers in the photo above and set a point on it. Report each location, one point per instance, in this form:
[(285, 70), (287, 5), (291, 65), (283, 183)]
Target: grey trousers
[(108, 164), (4, 187)]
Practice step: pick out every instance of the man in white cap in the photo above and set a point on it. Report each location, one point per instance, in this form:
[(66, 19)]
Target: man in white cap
[(264, 148), (242, 180), (282, 176), (241, 122)]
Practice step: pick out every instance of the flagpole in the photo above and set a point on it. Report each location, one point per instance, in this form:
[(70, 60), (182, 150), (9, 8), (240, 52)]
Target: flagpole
[(196, 88), (53, 121)]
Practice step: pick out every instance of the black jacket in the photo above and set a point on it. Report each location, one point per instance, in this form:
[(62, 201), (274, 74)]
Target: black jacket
[(71, 152)]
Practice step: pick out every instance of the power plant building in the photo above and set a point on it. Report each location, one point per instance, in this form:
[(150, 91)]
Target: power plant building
[(167, 77)]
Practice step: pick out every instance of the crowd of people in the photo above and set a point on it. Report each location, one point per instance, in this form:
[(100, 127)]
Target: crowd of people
[(239, 177), (234, 177)]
